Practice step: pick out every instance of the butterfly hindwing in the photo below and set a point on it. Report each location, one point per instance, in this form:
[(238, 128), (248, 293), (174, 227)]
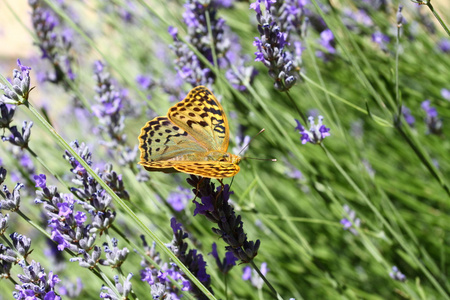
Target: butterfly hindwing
[(208, 169), (161, 140), (202, 116)]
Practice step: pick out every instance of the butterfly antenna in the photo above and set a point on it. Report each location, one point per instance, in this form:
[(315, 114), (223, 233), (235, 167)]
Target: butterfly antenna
[(271, 159), (246, 146)]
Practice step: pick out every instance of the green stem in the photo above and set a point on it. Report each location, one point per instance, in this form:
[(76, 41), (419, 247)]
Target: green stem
[(273, 292), (438, 17)]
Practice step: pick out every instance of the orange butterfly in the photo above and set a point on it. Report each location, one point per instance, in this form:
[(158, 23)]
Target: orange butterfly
[(192, 139)]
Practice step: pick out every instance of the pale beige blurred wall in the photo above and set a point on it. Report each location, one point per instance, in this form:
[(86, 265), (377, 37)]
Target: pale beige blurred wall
[(15, 41)]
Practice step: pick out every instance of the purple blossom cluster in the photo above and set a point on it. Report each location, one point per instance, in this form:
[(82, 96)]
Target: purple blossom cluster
[(159, 276), (191, 259), (55, 45), (432, 120), (214, 205), (397, 275), (350, 222), (110, 112), (253, 276), (276, 23), (216, 43), (35, 282), (315, 134), (20, 87)]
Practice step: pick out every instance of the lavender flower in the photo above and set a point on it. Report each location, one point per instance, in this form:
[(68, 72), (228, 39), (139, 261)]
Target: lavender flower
[(36, 284), (188, 65), (215, 207), (228, 262), (434, 123), (179, 199), (444, 45), (21, 243), (328, 43), (350, 222), (315, 134), (408, 117), (158, 280), (71, 290), (20, 86), (12, 200), (6, 115), (8, 257), (400, 19), (114, 256), (253, 276), (379, 38), (272, 46), (445, 93), (17, 138), (193, 261), (3, 223), (55, 46), (397, 275), (124, 289)]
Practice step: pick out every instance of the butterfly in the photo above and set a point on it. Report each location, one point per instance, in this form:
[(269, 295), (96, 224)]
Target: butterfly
[(192, 139)]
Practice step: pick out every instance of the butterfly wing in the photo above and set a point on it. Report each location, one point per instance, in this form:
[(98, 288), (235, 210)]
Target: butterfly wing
[(208, 169), (202, 116), (162, 140)]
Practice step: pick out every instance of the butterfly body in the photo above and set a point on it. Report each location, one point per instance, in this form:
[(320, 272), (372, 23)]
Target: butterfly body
[(192, 139)]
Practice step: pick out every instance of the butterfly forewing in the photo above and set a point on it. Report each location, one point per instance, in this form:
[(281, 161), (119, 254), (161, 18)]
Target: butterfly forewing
[(202, 116), (161, 140)]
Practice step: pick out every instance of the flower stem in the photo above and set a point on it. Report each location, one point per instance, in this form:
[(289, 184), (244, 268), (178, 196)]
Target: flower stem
[(273, 292)]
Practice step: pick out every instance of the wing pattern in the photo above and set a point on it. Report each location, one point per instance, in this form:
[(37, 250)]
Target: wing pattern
[(203, 117), (160, 139)]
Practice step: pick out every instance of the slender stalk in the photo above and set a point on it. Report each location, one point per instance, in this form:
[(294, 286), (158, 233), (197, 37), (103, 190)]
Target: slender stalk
[(273, 292)]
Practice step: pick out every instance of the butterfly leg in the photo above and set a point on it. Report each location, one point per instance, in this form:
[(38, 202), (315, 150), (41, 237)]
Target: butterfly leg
[(199, 184)]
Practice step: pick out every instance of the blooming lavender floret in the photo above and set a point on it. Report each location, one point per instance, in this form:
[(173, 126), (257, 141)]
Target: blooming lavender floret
[(350, 222), (3, 223), (114, 256), (36, 284), (6, 115), (253, 276), (445, 93), (272, 45), (54, 44), (12, 200), (20, 86), (179, 199), (315, 134), (444, 45), (328, 43), (228, 262), (409, 118), (123, 289), (191, 259), (434, 123), (397, 275), (21, 243), (379, 38), (17, 138), (8, 257), (216, 208)]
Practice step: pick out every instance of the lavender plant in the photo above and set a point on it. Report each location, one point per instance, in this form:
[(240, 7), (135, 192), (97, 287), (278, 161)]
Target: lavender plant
[(359, 216)]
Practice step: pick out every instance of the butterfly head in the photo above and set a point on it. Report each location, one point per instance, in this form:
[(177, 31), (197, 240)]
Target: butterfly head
[(223, 156)]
